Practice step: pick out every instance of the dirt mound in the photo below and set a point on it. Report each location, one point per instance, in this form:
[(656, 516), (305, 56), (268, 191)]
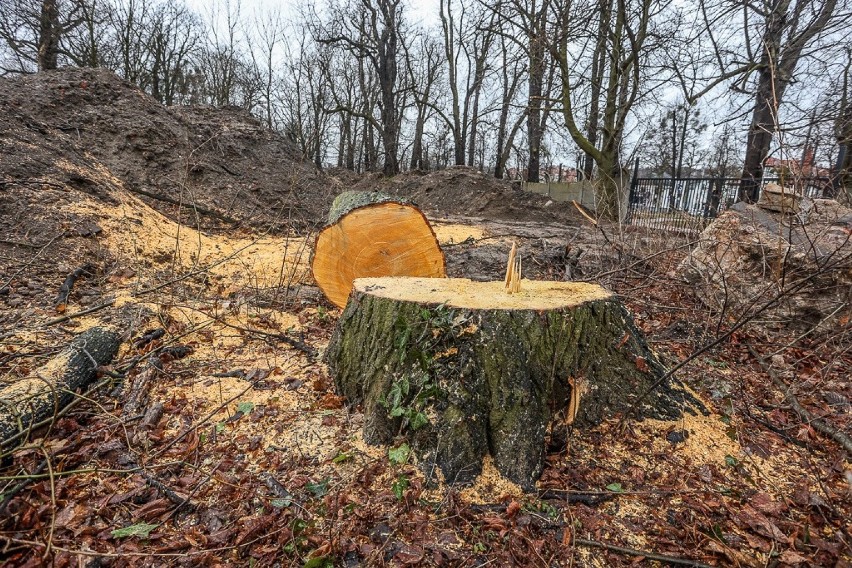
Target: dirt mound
[(462, 190), (62, 209), (797, 270), (222, 160), (43, 175)]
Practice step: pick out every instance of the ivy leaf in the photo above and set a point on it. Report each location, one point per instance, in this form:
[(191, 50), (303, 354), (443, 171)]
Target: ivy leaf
[(341, 457), (399, 456), (142, 530), (280, 503), (417, 420), (318, 489), (399, 486), (615, 488), (245, 407)]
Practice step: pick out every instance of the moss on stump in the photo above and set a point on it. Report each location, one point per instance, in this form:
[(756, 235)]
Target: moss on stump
[(461, 369)]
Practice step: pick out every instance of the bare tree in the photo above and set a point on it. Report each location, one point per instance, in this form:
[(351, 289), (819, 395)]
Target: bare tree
[(424, 67), (171, 44), (512, 68), (370, 30), (786, 29), (33, 32), (625, 42)]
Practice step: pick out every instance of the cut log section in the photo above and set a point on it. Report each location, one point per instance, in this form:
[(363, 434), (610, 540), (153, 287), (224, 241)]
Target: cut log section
[(463, 369), (26, 402), (371, 234)]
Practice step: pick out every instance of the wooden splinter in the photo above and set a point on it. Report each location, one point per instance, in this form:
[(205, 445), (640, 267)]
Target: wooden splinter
[(513, 271)]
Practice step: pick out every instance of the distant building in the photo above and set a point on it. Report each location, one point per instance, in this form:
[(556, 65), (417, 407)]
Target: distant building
[(804, 168), (554, 174)]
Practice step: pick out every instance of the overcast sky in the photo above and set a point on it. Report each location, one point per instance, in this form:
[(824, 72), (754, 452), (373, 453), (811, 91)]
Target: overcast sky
[(418, 11)]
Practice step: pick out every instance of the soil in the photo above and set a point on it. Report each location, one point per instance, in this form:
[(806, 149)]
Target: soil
[(463, 190), (221, 159)]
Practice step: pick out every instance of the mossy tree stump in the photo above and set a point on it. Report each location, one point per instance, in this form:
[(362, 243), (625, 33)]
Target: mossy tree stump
[(372, 234), (462, 369)]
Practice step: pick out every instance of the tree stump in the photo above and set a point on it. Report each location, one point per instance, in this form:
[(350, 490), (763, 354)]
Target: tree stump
[(371, 234), (463, 369)]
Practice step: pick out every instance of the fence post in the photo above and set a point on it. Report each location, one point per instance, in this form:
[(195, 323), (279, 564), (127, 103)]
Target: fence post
[(632, 197), (836, 180), (714, 199)]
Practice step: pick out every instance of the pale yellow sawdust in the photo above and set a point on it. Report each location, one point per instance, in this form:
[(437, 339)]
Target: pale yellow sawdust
[(452, 233), (38, 387), (144, 239), (490, 486), (464, 293), (209, 392)]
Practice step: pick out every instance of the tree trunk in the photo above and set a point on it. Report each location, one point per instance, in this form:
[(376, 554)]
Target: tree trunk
[(48, 40), (463, 369), (371, 234), (534, 128), (759, 138), (29, 401)]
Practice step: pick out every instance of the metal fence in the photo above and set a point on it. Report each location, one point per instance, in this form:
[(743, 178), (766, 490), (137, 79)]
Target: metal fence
[(689, 204)]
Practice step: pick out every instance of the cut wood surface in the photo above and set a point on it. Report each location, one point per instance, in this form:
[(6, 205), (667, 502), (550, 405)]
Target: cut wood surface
[(27, 402), (463, 369), (371, 234)]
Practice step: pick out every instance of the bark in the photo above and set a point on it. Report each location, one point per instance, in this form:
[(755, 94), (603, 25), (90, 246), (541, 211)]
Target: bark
[(30, 401), (48, 41), (496, 380), (598, 66), (348, 201), (66, 288), (534, 121)]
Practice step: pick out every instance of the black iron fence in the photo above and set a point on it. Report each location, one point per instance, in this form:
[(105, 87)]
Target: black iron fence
[(689, 204)]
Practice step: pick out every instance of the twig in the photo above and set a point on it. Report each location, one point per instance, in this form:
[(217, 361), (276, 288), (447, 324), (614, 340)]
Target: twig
[(27, 479), (169, 493), (300, 345), (817, 424), (67, 317), (189, 205), (643, 553), (743, 320)]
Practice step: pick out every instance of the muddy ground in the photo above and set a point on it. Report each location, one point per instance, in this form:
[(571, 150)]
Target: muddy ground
[(244, 455)]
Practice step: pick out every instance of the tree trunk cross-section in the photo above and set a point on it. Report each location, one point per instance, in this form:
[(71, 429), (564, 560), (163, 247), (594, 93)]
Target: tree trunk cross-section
[(462, 369), (371, 234), (29, 401)]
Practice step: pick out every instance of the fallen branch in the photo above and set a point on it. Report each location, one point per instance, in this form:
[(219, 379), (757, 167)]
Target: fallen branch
[(67, 317), (189, 204), (817, 424), (29, 401), (65, 290)]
